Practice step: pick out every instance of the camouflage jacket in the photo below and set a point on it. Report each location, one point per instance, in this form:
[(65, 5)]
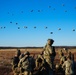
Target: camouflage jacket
[(69, 67), (26, 63), (49, 51), (15, 62)]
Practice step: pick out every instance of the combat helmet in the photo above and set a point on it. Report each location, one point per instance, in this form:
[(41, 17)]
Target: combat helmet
[(18, 52), (51, 40)]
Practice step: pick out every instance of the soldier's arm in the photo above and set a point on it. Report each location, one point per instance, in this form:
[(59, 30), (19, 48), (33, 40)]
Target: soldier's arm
[(63, 65), (50, 50), (13, 61), (41, 57), (36, 63), (24, 58), (19, 64)]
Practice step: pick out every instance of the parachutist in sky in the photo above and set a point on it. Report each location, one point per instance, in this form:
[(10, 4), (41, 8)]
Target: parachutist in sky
[(25, 26), (49, 6), (18, 27), (8, 12), (59, 29), (65, 11), (51, 32), (35, 27), (46, 27), (63, 4), (16, 23), (11, 22), (4, 27), (73, 29), (1, 27), (39, 11), (32, 10)]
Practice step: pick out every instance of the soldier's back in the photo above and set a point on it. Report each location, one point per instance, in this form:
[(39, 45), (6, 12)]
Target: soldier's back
[(15, 62), (69, 67), (63, 59)]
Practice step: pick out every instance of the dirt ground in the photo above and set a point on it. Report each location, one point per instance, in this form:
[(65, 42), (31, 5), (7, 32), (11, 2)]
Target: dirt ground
[(6, 56)]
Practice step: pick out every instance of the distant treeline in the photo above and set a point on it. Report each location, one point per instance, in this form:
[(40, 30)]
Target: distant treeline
[(36, 47)]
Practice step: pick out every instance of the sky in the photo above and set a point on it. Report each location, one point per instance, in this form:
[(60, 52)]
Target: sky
[(31, 22)]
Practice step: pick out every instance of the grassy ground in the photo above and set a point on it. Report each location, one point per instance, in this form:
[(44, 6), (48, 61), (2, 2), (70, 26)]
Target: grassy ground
[(7, 55)]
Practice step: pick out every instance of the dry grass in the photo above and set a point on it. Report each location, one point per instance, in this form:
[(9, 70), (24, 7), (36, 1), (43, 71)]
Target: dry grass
[(6, 56)]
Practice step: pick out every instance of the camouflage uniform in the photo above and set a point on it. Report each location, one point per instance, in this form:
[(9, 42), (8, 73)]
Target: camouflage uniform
[(71, 55), (40, 65), (18, 52), (62, 59), (26, 64), (39, 61), (69, 67), (66, 50), (21, 56), (49, 54), (60, 54), (15, 63)]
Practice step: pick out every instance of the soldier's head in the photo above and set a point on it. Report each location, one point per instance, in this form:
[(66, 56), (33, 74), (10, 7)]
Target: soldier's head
[(65, 49), (26, 53), (50, 41), (18, 52)]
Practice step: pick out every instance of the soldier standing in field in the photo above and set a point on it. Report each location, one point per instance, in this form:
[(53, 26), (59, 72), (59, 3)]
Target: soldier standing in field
[(15, 62), (60, 53), (62, 59), (71, 55), (49, 55), (40, 65), (69, 66), (39, 61)]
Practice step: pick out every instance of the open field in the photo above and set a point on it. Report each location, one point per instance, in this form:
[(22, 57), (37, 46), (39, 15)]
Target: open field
[(6, 56)]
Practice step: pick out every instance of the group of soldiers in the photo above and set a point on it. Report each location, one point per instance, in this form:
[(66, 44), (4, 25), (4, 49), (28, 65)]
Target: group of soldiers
[(43, 64), (67, 63)]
